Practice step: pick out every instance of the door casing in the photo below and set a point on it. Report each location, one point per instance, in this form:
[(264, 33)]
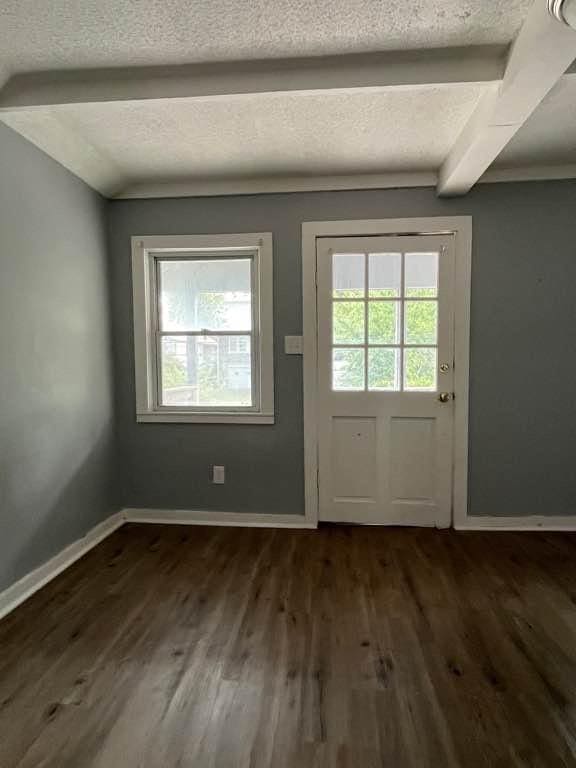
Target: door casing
[(461, 228)]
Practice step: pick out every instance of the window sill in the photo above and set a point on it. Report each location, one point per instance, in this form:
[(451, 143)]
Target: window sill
[(180, 417)]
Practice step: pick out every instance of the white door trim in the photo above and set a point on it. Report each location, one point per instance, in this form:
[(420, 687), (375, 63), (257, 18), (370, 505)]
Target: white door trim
[(461, 228)]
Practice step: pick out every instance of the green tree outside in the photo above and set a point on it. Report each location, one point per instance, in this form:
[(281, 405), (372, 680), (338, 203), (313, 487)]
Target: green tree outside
[(384, 328), (173, 372)]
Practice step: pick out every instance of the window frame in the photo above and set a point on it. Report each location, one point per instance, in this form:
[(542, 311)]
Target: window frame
[(147, 252)]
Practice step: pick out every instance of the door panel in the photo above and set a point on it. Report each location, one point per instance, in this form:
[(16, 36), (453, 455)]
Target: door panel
[(354, 459), (412, 466), (385, 351)]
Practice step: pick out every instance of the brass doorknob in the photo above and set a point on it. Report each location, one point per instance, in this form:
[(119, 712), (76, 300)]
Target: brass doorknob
[(445, 397)]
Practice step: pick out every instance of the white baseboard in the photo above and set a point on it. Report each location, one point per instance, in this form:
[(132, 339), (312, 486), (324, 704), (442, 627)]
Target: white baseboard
[(21, 590), (528, 523), (201, 517)]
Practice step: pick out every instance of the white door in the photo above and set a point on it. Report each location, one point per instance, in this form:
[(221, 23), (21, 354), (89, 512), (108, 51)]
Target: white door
[(385, 378)]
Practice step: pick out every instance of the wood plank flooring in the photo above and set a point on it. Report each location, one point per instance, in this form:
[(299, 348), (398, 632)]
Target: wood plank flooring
[(173, 647)]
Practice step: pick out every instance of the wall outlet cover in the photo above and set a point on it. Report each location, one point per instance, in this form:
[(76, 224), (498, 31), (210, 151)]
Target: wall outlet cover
[(218, 475)]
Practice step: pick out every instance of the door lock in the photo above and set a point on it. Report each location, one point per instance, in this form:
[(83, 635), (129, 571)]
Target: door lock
[(445, 397)]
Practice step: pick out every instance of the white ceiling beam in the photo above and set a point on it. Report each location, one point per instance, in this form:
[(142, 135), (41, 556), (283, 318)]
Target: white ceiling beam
[(543, 51), (478, 64)]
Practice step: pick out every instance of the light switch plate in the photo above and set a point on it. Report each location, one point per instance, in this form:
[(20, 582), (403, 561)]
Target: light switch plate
[(218, 475), (293, 345)]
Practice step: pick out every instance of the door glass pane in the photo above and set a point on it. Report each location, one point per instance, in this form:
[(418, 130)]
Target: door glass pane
[(383, 322), (420, 322), (213, 294), (348, 279), (384, 369), (421, 275), (206, 371), (420, 370), (348, 322), (347, 369), (384, 275)]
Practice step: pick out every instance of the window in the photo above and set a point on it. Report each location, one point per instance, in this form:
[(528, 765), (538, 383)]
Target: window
[(384, 322), (203, 328)]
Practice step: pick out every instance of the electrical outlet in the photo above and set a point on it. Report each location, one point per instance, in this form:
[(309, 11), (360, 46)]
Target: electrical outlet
[(218, 475)]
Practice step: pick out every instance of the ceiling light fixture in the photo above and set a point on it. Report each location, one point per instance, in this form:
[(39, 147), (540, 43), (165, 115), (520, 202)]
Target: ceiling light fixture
[(564, 11)]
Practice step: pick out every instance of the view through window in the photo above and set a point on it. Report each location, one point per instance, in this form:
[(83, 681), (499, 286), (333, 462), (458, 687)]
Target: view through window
[(384, 321)]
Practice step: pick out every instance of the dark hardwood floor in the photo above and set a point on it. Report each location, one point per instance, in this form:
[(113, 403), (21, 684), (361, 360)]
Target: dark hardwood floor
[(173, 647)]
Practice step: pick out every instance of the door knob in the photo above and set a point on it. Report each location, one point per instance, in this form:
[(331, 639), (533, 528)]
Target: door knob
[(445, 397)]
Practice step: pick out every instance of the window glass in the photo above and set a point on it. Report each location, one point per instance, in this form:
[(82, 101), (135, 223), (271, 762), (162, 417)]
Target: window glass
[(206, 370), (348, 322), (421, 275), (348, 369), (348, 279), (419, 370), (420, 322), (384, 322), (384, 369), (214, 294), (384, 271)]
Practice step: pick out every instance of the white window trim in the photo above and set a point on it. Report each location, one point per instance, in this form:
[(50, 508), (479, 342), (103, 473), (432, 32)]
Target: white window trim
[(145, 250)]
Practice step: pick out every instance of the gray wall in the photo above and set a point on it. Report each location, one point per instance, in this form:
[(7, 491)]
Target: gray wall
[(523, 350), (56, 404)]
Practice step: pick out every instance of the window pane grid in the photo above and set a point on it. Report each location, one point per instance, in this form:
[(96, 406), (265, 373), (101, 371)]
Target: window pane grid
[(380, 350)]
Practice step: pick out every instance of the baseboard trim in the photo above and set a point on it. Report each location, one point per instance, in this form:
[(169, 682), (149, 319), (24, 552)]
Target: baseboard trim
[(21, 590), (25, 587), (203, 517), (528, 523)]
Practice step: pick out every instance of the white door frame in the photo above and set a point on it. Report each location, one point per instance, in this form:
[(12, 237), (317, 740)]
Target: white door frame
[(461, 228)]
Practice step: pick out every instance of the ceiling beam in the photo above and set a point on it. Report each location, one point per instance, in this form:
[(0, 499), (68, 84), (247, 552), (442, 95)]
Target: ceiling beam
[(543, 51), (477, 64)]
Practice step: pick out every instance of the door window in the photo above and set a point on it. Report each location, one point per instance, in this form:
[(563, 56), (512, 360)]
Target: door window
[(384, 321)]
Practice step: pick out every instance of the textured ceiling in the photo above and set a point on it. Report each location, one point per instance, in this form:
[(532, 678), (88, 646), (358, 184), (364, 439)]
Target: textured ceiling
[(549, 136), (54, 34), (252, 136), (112, 145)]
